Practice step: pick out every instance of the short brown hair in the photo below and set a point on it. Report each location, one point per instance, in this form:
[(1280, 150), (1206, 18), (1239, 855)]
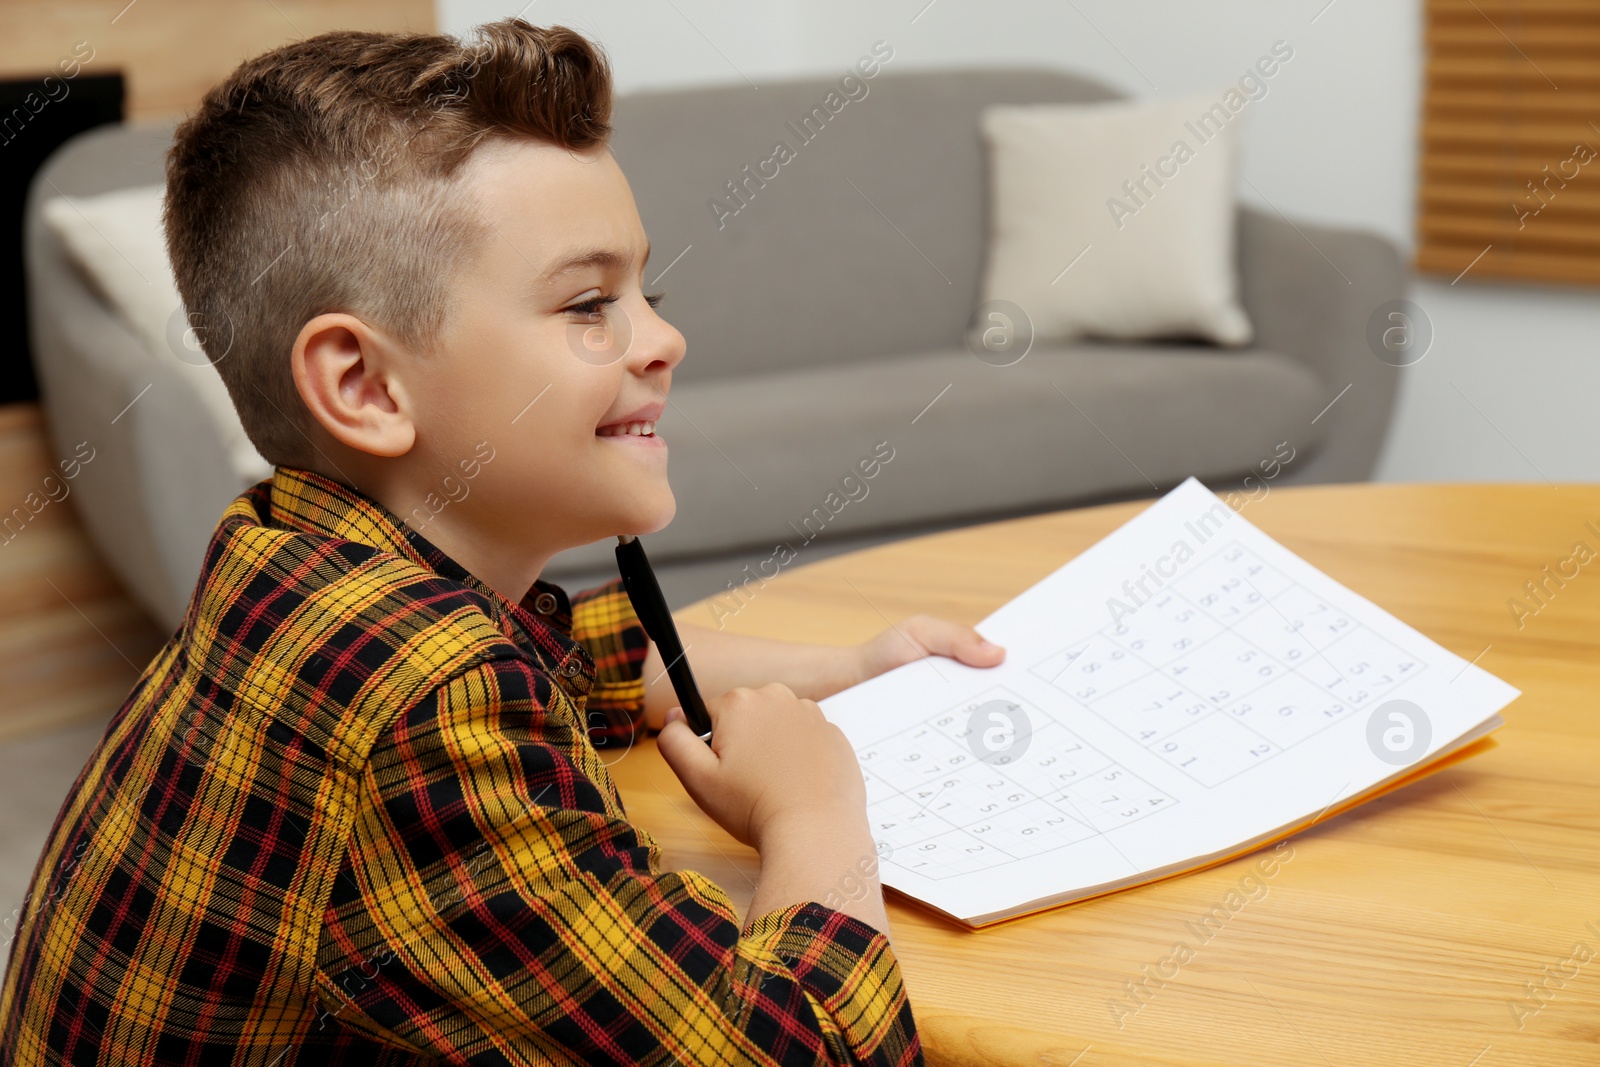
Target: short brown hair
[(318, 177)]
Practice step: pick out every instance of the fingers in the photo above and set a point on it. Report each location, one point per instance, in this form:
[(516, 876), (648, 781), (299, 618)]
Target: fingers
[(943, 637), (689, 757)]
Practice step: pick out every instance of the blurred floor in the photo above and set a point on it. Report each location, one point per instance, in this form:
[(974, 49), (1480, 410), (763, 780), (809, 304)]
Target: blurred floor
[(72, 643)]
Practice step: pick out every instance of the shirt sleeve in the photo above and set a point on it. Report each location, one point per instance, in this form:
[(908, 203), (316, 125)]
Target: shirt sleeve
[(604, 623), (495, 906)]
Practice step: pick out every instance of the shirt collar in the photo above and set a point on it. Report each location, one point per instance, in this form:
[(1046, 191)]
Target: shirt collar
[(312, 503)]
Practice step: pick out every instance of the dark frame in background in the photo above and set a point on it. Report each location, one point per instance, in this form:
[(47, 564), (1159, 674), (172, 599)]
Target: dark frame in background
[(37, 116)]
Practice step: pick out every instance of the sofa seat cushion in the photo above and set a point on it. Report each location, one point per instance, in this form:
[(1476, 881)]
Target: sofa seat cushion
[(758, 458)]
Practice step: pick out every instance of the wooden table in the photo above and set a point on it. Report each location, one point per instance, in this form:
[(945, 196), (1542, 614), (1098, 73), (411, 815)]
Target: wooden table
[(1455, 922)]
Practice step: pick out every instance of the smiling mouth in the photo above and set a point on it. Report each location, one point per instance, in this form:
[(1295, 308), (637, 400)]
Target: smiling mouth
[(628, 429)]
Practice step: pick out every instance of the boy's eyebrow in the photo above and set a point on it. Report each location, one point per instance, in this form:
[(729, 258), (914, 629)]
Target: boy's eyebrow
[(606, 258)]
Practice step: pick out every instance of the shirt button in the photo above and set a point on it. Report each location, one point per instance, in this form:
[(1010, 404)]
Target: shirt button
[(571, 668), (544, 603)]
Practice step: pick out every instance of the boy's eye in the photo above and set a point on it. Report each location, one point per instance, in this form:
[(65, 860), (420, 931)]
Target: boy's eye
[(595, 304)]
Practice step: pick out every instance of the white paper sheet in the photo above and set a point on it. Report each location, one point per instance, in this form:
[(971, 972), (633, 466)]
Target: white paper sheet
[(1185, 688)]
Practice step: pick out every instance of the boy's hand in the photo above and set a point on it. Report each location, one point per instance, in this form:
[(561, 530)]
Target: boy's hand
[(774, 761), (725, 661), (919, 636), (780, 777)]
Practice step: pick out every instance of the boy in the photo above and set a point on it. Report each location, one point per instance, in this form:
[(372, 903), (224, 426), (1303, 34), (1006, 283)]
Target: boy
[(353, 812)]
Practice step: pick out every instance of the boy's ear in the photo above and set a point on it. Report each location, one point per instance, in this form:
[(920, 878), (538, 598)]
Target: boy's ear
[(346, 374)]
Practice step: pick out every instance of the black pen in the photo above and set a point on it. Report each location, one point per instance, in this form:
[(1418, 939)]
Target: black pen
[(651, 607)]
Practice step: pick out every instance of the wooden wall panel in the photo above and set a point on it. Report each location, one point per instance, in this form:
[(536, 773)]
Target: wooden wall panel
[(1509, 180), (171, 51)]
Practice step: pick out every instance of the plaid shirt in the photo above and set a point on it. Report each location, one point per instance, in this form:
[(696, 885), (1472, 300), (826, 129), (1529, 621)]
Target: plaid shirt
[(354, 813)]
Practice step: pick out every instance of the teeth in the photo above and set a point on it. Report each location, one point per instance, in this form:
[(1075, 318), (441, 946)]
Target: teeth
[(632, 429)]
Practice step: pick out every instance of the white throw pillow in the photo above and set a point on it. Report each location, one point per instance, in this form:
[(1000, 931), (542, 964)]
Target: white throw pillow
[(1116, 219), (117, 240)]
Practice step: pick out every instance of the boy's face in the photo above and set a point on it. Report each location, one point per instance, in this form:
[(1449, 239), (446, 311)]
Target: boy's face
[(534, 369)]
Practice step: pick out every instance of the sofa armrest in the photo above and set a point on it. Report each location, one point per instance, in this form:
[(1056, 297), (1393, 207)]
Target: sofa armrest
[(160, 477), (1310, 291)]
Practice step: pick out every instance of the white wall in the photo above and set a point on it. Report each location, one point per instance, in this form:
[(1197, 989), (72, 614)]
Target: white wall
[(1333, 141)]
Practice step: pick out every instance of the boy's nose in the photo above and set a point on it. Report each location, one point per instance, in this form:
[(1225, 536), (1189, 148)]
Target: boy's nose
[(658, 344)]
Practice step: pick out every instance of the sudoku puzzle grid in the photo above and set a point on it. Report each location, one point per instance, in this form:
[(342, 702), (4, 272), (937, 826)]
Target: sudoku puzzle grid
[(938, 810), (1228, 666), (1216, 672)]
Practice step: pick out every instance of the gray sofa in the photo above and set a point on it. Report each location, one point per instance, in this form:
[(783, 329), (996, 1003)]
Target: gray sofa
[(823, 318)]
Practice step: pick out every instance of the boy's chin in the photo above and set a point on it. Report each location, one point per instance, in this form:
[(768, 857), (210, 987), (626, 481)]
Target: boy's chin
[(649, 517)]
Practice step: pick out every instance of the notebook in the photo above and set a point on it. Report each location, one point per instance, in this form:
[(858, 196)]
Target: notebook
[(1185, 691)]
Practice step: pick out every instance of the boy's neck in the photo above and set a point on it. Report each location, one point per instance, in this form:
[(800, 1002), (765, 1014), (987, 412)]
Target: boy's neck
[(509, 565), (508, 569)]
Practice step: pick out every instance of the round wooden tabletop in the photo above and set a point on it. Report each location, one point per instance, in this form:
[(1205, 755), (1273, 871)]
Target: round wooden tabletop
[(1454, 922)]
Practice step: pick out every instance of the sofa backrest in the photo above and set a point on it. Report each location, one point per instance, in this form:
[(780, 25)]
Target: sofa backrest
[(865, 238), (867, 242)]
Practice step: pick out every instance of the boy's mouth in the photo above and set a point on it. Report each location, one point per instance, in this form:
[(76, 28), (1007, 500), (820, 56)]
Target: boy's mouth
[(628, 429), (637, 426)]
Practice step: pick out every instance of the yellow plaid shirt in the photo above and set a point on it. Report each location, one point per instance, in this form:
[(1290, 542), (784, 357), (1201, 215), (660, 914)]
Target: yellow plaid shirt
[(353, 813)]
